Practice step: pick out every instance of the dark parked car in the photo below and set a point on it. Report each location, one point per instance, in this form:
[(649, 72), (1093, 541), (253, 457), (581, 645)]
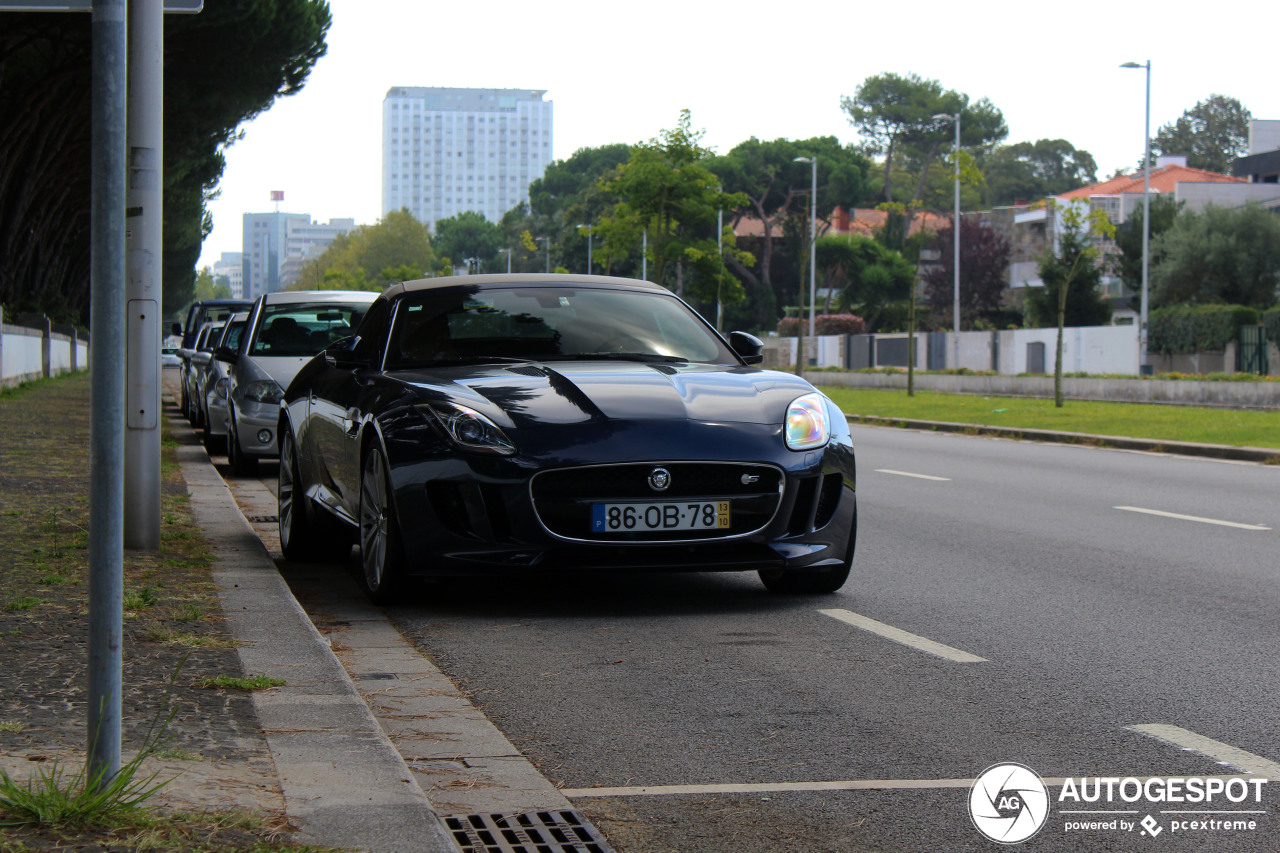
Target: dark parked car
[(509, 423), (205, 311)]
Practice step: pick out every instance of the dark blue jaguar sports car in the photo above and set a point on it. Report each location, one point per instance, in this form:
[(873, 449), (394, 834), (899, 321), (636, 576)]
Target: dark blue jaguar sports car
[(526, 423)]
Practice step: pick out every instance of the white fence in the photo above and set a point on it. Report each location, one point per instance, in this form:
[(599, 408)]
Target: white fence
[(37, 349), (1086, 349)]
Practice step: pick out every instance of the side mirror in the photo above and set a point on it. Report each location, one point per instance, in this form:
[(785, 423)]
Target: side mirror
[(176, 329), (748, 347), (340, 354), (226, 354), (202, 358)]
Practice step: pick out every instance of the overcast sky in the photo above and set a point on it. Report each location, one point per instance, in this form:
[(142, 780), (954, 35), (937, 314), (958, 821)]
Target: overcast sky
[(622, 73)]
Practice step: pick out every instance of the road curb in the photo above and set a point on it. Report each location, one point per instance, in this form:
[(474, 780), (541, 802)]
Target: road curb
[(1118, 442), (343, 781)]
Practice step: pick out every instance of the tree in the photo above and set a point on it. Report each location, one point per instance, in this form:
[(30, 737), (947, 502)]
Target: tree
[(1164, 210), (1218, 254), (1071, 275), (1030, 171), (207, 287), (371, 256), (984, 265), (667, 192), (895, 115), (468, 235), (776, 189), (222, 67), (867, 274), (1211, 135)]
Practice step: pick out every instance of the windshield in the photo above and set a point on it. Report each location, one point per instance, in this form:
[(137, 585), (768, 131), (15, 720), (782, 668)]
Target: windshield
[(548, 323), (303, 329)]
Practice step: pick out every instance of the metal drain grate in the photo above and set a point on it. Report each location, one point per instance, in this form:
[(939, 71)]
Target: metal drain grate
[(264, 519), (561, 831)]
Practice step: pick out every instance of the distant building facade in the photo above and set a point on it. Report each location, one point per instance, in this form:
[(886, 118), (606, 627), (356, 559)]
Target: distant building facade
[(231, 266), (1262, 164), (447, 151), (276, 245)]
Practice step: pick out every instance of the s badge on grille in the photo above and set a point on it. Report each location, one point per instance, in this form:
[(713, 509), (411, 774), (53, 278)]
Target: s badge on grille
[(748, 479), (659, 479)]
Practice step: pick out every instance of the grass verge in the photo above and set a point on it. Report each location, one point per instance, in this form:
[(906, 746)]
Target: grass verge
[(1233, 427)]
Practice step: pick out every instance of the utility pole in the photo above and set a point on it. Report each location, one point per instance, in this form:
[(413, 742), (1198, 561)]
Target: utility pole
[(143, 252)]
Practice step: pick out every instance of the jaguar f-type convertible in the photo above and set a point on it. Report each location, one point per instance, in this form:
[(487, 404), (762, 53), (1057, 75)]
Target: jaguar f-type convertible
[(525, 423)]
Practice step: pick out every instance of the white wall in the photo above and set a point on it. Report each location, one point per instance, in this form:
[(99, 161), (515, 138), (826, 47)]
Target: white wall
[(20, 356)]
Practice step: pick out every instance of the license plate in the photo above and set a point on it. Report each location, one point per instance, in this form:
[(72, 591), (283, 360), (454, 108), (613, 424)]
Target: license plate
[(684, 515)]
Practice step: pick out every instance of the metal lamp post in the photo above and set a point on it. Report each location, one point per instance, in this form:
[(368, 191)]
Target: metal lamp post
[(813, 248), (1144, 366), (508, 253), (588, 227), (546, 244), (955, 240)]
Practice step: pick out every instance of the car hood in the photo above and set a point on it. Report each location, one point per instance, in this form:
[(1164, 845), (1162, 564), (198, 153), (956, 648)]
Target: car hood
[(557, 393)]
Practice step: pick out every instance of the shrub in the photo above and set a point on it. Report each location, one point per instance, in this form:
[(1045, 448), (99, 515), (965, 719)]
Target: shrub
[(1197, 328), (1271, 319), (824, 324)]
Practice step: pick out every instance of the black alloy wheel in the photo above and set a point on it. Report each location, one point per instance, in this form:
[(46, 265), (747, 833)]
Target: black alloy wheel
[(303, 536), (381, 547)]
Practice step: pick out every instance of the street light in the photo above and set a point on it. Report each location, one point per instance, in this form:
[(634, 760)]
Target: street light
[(955, 240), (508, 251), (720, 252), (546, 244), (1143, 367), (813, 248), (588, 227)]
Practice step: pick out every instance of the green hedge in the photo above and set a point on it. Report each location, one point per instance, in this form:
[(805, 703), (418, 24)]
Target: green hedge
[(1271, 319), (1186, 329)]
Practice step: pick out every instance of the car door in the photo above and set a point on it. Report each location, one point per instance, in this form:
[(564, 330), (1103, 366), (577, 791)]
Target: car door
[(336, 413)]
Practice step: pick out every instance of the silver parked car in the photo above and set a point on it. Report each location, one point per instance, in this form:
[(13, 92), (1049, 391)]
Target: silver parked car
[(194, 363), (285, 330), (213, 389)]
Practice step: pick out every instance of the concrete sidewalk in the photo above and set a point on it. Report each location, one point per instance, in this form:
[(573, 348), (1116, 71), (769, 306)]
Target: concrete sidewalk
[(375, 748), (344, 783)]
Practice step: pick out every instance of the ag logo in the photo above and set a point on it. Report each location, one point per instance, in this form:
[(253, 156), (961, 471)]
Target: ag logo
[(1008, 803)]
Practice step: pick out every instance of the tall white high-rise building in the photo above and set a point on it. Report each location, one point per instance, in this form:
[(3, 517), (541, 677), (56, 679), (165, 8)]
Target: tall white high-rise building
[(447, 151)]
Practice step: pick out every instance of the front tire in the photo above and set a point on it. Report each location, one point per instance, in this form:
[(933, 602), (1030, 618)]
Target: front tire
[(240, 463), (381, 546), (301, 537)]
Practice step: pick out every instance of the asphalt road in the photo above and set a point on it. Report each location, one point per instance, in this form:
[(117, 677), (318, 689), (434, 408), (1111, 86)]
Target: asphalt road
[(1102, 590)]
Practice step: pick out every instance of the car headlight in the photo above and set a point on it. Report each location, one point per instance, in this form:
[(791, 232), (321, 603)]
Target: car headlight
[(806, 426), (220, 388), (262, 391), (470, 429)]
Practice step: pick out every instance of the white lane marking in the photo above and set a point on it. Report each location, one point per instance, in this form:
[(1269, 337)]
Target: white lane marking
[(783, 787), (1223, 753), (909, 474), (905, 638), (1192, 518)]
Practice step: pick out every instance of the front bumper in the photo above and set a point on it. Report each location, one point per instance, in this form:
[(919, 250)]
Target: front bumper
[(256, 428), (482, 516)]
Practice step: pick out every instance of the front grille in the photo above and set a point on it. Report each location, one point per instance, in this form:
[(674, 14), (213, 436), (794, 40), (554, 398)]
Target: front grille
[(563, 499)]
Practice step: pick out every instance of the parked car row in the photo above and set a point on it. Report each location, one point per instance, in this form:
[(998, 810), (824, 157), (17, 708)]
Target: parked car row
[(516, 423), (234, 373)]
